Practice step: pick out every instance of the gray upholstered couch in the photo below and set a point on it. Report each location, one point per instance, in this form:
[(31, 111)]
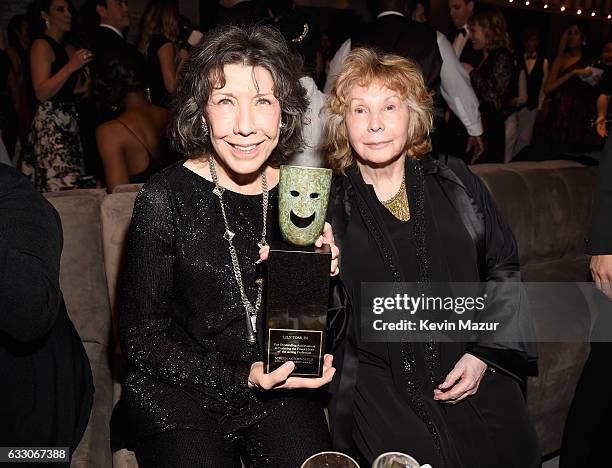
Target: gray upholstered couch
[(547, 204)]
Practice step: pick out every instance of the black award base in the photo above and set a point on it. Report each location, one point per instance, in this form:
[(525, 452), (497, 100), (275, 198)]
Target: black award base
[(296, 308)]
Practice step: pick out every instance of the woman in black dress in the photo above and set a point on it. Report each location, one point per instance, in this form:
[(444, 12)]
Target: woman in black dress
[(493, 79), (195, 393), (54, 153), (159, 30), (572, 99), (401, 215)]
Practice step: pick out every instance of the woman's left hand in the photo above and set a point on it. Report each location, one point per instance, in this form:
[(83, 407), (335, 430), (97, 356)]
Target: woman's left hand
[(281, 377), (462, 381), (327, 237), (83, 84), (600, 126), (586, 71)]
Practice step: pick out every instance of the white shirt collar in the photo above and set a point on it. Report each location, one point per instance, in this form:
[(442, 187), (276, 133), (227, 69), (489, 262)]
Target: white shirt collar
[(389, 12), (112, 28)]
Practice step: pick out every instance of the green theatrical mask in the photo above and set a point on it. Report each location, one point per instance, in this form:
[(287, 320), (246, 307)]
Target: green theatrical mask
[(303, 196)]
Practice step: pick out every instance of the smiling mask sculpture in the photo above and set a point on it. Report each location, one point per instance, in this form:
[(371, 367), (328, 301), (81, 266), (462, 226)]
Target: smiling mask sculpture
[(303, 197), (298, 272)]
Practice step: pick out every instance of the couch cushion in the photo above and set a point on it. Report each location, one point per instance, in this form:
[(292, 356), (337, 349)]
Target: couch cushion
[(546, 204), (94, 449), (550, 394), (127, 188), (115, 214), (82, 277)]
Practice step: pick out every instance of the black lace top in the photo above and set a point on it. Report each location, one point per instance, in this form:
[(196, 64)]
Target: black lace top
[(492, 80), (182, 323)]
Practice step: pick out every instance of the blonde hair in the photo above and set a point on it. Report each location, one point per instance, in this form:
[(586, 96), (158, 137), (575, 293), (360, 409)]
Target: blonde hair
[(494, 27), (363, 67), (160, 17)]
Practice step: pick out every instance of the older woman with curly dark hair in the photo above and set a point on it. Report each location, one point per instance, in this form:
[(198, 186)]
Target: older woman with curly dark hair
[(195, 392), (401, 215)]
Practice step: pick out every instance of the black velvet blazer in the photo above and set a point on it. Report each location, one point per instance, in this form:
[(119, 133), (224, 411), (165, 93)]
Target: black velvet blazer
[(600, 241)]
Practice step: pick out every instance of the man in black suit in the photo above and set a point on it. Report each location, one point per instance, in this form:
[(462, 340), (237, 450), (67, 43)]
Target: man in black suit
[(600, 243), (460, 13), (106, 22), (587, 435), (107, 38)]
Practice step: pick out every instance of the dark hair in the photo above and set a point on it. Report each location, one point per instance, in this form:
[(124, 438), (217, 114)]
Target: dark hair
[(279, 7), (115, 80), (302, 34), (89, 13), (531, 32), (587, 51), (256, 46), (35, 22), (12, 31)]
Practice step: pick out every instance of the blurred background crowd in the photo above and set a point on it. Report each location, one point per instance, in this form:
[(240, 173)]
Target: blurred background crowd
[(86, 89)]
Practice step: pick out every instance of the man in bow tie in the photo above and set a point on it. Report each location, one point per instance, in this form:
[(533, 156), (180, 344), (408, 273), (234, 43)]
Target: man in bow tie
[(460, 12), (533, 75)]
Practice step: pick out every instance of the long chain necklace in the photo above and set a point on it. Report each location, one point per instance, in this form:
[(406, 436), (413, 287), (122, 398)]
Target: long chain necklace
[(250, 309)]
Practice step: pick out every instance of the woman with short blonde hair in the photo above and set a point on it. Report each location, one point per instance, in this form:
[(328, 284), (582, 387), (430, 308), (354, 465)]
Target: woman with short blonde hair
[(401, 214), (364, 66)]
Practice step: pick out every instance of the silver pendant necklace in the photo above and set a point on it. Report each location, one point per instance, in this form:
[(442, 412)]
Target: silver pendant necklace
[(250, 309)]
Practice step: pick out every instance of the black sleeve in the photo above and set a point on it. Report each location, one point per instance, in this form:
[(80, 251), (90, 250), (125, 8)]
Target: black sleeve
[(507, 302), (30, 249), (494, 84), (146, 303), (156, 42), (337, 315), (600, 241), (605, 85)]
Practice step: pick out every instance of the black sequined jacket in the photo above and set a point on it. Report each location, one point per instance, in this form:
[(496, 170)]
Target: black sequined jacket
[(497, 261), (182, 323)]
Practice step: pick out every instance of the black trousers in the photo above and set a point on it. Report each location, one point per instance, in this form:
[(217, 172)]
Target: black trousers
[(588, 429), (284, 439)]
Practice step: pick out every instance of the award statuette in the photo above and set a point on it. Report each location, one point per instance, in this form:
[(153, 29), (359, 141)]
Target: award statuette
[(298, 274)]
